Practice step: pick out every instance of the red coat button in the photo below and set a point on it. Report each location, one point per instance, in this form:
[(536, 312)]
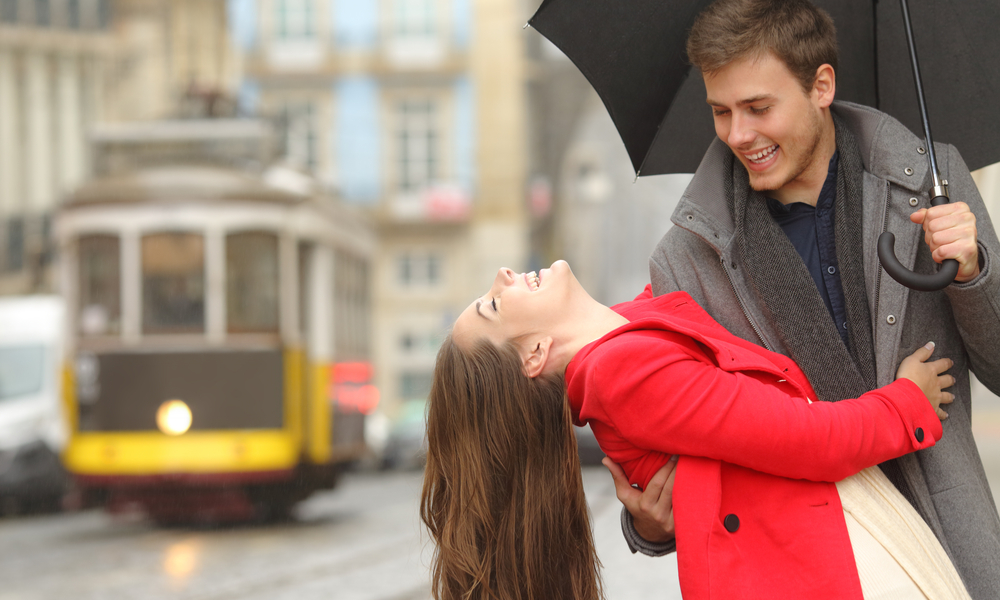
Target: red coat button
[(919, 433), (731, 523)]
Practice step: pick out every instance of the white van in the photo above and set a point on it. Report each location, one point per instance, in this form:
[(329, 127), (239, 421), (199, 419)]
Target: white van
[(33, 429)]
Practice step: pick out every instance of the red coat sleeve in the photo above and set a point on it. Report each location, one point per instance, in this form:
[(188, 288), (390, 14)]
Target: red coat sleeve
[(675, 400)]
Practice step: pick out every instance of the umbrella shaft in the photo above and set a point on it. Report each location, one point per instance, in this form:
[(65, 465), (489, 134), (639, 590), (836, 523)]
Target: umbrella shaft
[(920, 95)]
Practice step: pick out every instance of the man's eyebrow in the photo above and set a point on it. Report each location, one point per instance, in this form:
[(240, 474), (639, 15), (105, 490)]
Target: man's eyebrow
[(743, 102), (753, 99)]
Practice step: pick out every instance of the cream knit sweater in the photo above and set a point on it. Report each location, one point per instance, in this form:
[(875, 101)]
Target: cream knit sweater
[(897, 555)]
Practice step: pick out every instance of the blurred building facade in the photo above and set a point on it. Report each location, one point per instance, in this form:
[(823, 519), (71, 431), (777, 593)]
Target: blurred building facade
[(585, 202), (415, 110), (173, 59), (53, 59), (67, 66)]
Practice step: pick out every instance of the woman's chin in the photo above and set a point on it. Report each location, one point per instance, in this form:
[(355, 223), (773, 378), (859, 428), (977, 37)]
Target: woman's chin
[(559, 266)]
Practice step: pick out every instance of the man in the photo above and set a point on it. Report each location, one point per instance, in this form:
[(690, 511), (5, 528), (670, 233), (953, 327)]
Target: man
[(776, 235)]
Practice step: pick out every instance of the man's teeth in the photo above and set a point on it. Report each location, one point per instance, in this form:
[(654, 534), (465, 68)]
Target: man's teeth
[(533, 280), (763, 155)]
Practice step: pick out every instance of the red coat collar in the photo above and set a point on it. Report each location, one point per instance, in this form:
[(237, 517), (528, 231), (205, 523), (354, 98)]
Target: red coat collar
[(678, 312)]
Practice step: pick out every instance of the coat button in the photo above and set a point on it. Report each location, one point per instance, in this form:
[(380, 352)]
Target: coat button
[(919, 434), (920, 150), (914, 202), (731, 523), (891, 319), (908, 171)]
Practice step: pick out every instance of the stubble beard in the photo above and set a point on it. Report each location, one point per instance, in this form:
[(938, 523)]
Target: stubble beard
[(802, 162)]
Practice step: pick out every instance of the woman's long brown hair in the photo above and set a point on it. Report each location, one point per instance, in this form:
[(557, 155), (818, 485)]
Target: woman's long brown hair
[(503, 495)]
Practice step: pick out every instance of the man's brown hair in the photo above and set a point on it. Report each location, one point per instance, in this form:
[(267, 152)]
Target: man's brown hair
[(797, 32)]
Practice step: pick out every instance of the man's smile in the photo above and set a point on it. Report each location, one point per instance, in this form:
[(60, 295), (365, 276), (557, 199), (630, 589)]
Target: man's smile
[(763, 155)]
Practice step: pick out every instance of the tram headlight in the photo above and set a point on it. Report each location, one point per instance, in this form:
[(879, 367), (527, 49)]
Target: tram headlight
[(173, 417)]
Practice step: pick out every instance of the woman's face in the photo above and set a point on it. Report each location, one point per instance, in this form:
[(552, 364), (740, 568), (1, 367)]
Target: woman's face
[(518, 304)]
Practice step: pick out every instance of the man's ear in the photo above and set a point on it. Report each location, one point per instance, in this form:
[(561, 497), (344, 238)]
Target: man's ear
[(535, 356), (825, 85)]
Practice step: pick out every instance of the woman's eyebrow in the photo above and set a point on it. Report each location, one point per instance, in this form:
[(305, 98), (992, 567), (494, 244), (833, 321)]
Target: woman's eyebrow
[(478, 304)]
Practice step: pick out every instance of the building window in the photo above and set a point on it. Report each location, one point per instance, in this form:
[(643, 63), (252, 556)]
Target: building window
[(93, 15), (8, 11), (413, 19), (294, 19), (417, 144), (300, 134), (419, 269), (47, 250), (252, 282), (420, 343), (43, 13), (73, 14), (15, 244), (103, 14), (99, 285), (173, 283), (415, 385)]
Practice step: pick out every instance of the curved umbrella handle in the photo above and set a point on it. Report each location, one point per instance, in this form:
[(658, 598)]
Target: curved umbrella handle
[(915, 281)]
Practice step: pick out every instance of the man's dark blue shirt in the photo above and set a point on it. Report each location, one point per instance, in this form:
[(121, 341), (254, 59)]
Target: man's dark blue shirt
[(811, 230)]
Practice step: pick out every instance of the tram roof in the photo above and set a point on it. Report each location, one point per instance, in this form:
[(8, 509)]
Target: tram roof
[(186, 184)]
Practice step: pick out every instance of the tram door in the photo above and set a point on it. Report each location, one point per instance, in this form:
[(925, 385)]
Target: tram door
[(316, 307)]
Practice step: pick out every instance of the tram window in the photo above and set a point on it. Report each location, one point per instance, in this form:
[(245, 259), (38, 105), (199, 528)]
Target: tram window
[(362, 299), (252, 282), (353, 305), (100, 285), (173, 283), (305, 285)]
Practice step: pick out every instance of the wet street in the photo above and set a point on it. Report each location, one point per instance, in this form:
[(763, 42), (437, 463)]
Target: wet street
[(362, 541)]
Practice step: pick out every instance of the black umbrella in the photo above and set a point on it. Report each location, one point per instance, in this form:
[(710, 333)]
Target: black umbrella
[(632, 52)]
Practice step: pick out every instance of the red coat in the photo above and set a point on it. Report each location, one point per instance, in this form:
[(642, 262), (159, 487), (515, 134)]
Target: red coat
[(756, 513)]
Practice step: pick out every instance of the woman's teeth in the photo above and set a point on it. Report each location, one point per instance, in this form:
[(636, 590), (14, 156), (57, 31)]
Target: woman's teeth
[(763, 155), (533, 280)]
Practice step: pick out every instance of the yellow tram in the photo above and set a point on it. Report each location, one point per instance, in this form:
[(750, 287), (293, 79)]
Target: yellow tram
[(217, 364)]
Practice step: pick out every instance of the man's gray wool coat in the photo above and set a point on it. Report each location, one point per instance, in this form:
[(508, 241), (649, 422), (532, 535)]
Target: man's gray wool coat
[(698, 255)]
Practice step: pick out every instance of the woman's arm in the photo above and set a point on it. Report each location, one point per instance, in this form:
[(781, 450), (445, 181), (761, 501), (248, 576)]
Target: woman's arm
[(675, 400)]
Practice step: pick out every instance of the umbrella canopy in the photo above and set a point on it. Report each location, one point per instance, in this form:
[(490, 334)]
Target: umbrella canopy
[(632, 52)]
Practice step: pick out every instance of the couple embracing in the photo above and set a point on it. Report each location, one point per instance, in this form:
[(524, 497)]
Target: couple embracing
[(796, 399)]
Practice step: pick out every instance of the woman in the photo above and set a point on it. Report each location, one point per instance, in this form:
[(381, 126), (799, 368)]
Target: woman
[(755, 512)]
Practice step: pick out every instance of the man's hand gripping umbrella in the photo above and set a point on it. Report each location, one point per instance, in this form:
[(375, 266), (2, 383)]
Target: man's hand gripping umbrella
[(939, 196)]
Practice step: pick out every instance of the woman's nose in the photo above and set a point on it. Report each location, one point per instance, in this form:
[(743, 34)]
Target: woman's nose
[(505, 277)]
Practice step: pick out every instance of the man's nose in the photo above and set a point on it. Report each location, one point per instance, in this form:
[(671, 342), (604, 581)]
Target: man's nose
[(739, 132)]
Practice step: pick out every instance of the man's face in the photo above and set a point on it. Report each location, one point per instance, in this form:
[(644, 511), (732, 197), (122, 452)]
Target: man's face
[(770, 124)]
